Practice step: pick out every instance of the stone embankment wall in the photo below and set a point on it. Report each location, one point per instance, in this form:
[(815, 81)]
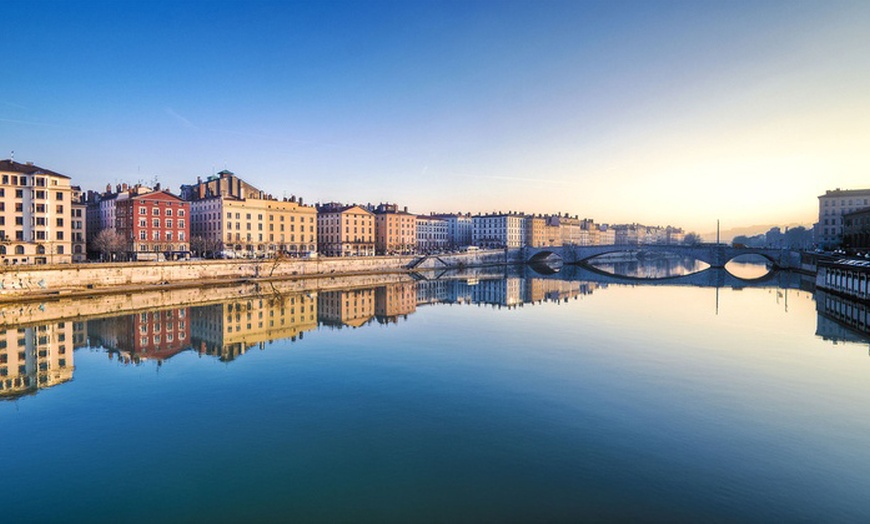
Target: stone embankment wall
[(27, 282)]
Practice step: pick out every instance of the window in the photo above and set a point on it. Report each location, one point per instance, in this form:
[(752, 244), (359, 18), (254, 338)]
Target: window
[(155, 222), (59, 195), (181, 212), (60, 235), (59, 222), (155, 211), (168, 212), (59, 209), (19, 193), (141, 210), (181, 223), (169, 222)]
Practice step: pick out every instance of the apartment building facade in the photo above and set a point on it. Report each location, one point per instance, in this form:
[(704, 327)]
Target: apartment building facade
[(35, 215), (833, 205), (395, 230), (459, 228), (344, 230), (432, 234), (500, 230), (154, 225), (232, 218)]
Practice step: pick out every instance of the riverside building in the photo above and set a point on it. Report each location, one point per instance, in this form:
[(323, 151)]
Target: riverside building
[(344, 230), (459, 229), (35, 215), (499, 230), (232, 218), (154, 225), (432, 234), (833, 205), (395, 231)]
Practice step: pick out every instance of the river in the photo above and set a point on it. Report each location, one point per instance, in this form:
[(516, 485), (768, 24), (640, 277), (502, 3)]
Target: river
[(501, 395)]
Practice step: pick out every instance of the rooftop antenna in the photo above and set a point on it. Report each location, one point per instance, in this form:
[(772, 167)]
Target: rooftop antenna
[(12, 156)]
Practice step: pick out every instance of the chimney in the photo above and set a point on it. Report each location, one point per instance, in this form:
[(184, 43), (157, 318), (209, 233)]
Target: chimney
[(157, 187), (108, 188), (300, 201), (405, 209)]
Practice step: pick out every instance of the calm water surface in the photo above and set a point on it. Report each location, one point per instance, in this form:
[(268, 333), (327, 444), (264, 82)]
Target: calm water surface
[(498, 398)]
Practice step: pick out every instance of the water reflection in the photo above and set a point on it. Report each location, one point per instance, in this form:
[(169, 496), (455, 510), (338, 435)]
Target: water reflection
[(37, 357), (648, 265), (40, 356)]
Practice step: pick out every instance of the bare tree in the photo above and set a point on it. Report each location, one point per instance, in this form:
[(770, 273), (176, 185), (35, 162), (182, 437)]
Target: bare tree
[(109, 243)]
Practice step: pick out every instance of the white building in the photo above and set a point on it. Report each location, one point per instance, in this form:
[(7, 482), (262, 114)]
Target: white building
[(432, 234), (832, 206), (459, 229), (499, 230)]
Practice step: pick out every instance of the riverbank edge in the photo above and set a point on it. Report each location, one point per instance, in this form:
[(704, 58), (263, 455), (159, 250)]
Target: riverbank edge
[(19, 284)]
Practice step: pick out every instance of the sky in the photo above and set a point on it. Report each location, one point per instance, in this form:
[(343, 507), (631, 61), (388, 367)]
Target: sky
[(663, 113)]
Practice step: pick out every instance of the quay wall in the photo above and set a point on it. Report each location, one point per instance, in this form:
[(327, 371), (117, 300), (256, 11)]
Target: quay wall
[(25, 282)]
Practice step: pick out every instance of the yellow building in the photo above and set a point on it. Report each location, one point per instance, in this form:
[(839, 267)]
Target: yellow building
[(35, 215), (345, 231), (232, 217), (228, 330), (395, 231), (540, 232), (36, 357)]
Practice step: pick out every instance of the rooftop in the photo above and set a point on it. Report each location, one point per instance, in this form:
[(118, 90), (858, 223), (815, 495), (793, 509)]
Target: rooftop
[(11, 166)]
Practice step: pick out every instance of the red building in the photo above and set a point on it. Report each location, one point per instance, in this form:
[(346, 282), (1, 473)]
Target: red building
[(154, 225)]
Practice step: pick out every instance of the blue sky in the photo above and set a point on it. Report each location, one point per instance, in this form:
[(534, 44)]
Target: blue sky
[(659, 112)]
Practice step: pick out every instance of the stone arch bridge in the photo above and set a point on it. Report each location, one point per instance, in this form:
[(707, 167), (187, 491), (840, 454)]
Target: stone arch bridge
[(716, 255)]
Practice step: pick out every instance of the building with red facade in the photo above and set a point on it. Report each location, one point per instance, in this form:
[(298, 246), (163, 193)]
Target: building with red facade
[(154, 226)]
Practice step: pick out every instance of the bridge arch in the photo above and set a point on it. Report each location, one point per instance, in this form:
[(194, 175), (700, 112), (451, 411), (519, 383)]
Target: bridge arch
[(543, 255)]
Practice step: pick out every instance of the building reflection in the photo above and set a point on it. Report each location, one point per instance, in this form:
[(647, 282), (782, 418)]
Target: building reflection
[(395, 301), (39, 356), (36, 357), (228, 330), (840, 319), (352, 308), (153, 335)]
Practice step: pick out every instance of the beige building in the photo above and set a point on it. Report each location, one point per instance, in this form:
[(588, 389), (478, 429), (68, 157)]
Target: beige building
[(36, 357), (395, 231), (345, 230), (35, 215), (234, 219), (542, 232)]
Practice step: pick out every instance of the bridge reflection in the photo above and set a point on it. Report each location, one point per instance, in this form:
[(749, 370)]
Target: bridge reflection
[(710, 277)]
